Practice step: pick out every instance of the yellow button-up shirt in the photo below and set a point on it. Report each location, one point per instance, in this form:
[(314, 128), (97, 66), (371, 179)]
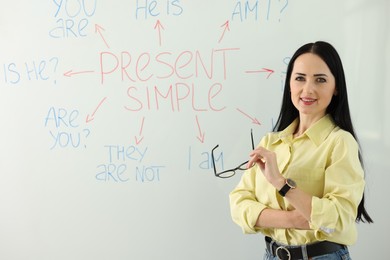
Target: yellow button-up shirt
[(323, 162)]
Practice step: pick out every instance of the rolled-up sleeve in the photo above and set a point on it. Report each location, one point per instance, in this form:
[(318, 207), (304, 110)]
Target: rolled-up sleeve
[(244, 207), (336, 211)]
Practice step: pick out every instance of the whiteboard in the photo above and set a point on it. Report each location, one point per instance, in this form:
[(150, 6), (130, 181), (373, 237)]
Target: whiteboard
[(110, 110)]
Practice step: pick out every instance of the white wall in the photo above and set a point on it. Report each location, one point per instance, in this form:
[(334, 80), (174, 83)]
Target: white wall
[(161, 199)]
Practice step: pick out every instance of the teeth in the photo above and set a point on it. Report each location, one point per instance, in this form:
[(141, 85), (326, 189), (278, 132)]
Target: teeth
[(307, 100)]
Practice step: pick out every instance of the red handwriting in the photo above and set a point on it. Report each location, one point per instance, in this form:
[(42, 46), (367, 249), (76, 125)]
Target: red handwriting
[(147, 66), (159, 27), (139, 139), (98, 29), (92, 117), (226, 27), (254, 120), (201, 134), (269, 71), (70, 73), (174, 97)]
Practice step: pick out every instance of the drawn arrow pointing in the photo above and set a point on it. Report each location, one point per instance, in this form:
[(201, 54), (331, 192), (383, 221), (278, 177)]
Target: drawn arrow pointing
[(99, 29), (269, 71), (139, 139), (70, 73), (159, 27), (201, 135), (226, 25), (254, 120), (92, 117)]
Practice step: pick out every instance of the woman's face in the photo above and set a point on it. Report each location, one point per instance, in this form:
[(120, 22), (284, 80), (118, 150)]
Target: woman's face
[(312, 86)]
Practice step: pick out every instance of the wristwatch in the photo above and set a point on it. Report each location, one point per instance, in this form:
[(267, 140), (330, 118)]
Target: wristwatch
[(290, 184)]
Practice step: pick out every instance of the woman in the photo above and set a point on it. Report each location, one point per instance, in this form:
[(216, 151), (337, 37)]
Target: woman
[(305, 191)]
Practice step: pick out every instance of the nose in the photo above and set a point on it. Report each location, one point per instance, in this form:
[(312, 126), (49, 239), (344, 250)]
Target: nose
[(308, 87)]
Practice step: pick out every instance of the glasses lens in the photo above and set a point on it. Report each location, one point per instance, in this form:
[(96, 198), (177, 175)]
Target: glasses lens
[(231, 172), (226, 174), (243, 166)]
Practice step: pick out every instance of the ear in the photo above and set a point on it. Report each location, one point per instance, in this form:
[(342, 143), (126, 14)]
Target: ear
[(335, 93)]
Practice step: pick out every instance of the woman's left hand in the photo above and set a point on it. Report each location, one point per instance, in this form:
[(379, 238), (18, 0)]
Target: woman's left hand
[(268, 165)]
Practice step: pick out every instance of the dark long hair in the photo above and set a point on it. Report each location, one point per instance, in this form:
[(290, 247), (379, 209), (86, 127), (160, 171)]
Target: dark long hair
[(338, 107)]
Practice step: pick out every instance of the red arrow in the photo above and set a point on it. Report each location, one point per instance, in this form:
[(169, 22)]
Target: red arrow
[(269, 71), (159, 27), (92, 117), (138, 141), (70, 73), (201, 135), (226, 25), (254, 120), (98, 29)]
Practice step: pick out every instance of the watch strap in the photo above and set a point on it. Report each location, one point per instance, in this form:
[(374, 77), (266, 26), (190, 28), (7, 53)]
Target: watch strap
[(290, 184), (283, 191)]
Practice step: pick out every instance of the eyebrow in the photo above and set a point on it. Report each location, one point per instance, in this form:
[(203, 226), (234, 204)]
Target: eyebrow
[(315, 75)]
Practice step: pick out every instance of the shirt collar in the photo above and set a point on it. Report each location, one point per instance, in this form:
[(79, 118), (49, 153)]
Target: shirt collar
[(317, 133)]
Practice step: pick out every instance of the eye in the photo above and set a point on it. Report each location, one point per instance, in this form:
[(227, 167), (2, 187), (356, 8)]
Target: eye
[(299, 78), (321, 80)]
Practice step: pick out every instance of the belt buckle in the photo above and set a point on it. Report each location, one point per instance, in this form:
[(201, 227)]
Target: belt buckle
[(283, 249)]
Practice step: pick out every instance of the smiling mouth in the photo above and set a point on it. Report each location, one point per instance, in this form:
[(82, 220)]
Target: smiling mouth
[(308, 101)]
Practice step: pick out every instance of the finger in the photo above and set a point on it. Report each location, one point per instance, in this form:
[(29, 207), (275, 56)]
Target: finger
[(253, 160), (263, 154), (257, 156)]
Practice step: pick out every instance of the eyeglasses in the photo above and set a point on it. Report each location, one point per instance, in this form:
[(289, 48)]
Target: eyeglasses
[(231, 172)]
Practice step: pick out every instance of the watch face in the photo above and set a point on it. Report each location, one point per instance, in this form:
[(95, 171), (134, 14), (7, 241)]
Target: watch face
[(291, 183)]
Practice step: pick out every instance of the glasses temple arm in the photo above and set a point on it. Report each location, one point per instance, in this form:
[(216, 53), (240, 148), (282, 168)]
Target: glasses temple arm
[(253, 144)]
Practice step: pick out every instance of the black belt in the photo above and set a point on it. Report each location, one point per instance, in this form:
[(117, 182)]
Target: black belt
[(295, 252)]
